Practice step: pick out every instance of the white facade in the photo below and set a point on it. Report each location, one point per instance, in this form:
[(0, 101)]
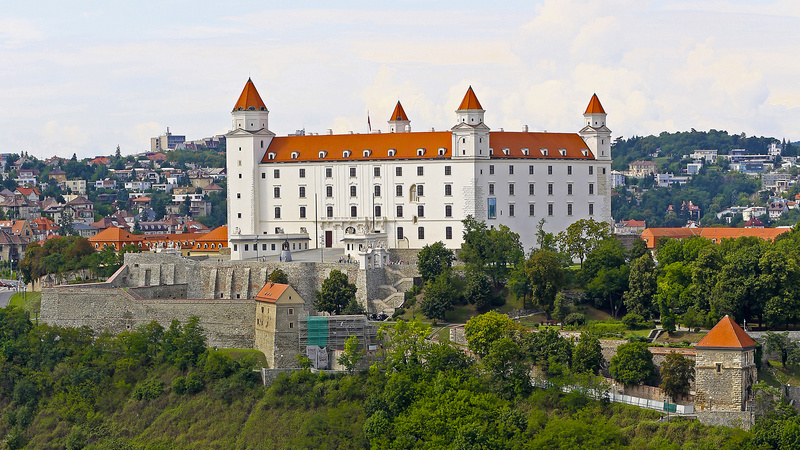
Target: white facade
[(335, 190)]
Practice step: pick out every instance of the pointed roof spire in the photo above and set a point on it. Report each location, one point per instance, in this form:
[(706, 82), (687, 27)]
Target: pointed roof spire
[(470, 101), (594, 106), (249, 100), (398, 113), (726, 334)]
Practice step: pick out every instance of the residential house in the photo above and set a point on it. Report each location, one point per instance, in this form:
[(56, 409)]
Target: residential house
[(753, 212), (82, 209), (27, 177), (105, 184), (709, 156), (31, 193), (5, 193), (54, 161), (57, 174), (776, 210), (141, 202), (19, 227), (12, 247), (668, 179), (754, 223), (76, 186), (158, 227), (617, 179), (777, 182), (84, 229), (101, 160), (137, 185), (642, 169), (651, 236), (20, 207), (42, 227), (213, 187), (157, 157)]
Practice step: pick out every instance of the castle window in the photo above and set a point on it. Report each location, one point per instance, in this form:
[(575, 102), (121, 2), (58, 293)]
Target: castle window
[(246, 247), (367, 153), (346, 154), (376, 171), (328, 172), (273, 247), (491, 169), (329, 191), (531, 210), (238, 215), (392, 152), (352, 172), (531, 189), (585, 152), (549, 170), (569, 188), (421, 233), (569, 209), (569, 170), (448, 190), (448, 211), (399, 232), (353, 211), (276, 173), (329, 211), (442, 151), (302, 192), (420, 152), (591, 188), (591, 170), (549, 188), (399, 210), (235, 248), (276, 191), (353, 190), (277, 212), (302, 212), (377, 211), (420, 211), (544, 151), (448, 170), (377, 191), (291, 310), (530, 170), (399, 190), (506, 151), (719, 367), (323, 154), (240, 176), (263, 247), (562, 151), (511, 210), (295, 155), (591, 209), (511, 189), (448, 233), (525, 152), (263, 175), (238, 195), (419, 190), (291, 324), (271, 155), (549, 209), (491, 188), (511, 170), (398, 171), (302, 173), (420, 171)]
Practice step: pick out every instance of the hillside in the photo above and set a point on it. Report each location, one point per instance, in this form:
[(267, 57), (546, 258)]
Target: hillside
[(161, 388)]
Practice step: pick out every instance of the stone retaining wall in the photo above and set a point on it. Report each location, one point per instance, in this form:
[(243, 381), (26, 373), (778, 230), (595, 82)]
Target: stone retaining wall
[(733, 419)]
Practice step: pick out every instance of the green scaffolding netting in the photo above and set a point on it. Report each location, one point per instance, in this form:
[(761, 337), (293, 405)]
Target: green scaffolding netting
[(317, 331)]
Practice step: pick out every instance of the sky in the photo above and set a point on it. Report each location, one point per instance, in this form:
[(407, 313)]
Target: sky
[(85, 76)]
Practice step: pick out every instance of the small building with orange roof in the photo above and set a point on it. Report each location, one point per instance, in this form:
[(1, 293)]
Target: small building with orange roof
[(278, 311), (715, 234), (725, 368), (116, 238)]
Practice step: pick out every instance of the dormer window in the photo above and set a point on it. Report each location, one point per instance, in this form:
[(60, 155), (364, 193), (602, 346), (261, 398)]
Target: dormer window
[(562, 151), (585, 152), (392, 152), (442, 151), (506, 151), (367, 153), (544, 151), (323, 154), (346, 154), (525, 151), (271, 155), (295, 155), (420, 152), (491, 152)]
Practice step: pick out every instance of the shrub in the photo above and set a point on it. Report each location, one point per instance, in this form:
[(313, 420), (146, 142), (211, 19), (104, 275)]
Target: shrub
[(194, 383), (148, 390), (575, 319), (179, 385), (632, 321)]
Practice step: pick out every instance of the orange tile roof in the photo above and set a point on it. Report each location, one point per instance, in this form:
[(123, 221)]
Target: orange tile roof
[(407, 144), (726, 334), (398, 113), (117, 235), (217, 234), (470, 101), (594, 106), (271, 292), (141, 199), (249, 100), (26, 191), (652, 235)]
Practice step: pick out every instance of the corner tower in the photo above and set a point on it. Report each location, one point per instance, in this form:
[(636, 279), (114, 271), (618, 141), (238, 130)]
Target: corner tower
[(595, 133), (399, 122), (725, 368), (246, 144), (470, 134)]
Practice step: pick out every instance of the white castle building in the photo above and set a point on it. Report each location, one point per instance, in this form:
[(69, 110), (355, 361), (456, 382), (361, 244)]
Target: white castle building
[(406, 189)]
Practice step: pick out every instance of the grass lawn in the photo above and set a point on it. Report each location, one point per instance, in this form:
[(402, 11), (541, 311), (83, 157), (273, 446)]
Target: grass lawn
[(775, 374), (31, 302), (239, 353), (593, 313), (679, 336)]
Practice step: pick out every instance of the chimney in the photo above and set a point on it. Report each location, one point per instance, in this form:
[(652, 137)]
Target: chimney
[(330, 131), (524, 128)]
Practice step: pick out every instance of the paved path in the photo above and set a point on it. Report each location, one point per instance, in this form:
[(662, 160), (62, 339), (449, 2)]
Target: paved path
[(5, 295)]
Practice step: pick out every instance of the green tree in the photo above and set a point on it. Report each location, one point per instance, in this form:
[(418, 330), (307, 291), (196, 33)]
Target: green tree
[(493, 251), (506, 365), (560, 307), (677, 373), (351, 355), (633, 364), (641, 287), (278, 276), (66, 228), (546, 278), (581, 237), (439, 297), (549, 351), (335, 293), (610, 284), (780, 344), (478, 291), (484, 329), (588, 355), (434, 259)]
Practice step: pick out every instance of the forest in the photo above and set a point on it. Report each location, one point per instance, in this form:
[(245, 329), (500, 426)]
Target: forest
[(160, 388)]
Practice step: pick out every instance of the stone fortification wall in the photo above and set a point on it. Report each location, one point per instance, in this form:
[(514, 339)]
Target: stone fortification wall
[(733, 419), (228, 323), (225, 279), (170, 291)]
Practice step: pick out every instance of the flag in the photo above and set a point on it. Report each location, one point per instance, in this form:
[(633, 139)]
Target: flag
[(369, 124)]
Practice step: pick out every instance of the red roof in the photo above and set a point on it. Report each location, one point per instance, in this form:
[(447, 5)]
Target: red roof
[(632, 223), (116, 235), (26, 191), (726, 334), (594, 106), (406, 145), (652, 235), (470, 101), (141, 200), (271, 292), (219, 234), (398, 113), (249, 100)]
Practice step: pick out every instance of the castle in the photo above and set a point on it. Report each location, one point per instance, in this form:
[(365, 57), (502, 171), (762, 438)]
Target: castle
[(404, 190)]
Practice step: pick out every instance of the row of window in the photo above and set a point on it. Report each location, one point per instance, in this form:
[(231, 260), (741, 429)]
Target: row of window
[(295, 246), (448, 170), (448, 211), (448, 233), (448, 190)]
